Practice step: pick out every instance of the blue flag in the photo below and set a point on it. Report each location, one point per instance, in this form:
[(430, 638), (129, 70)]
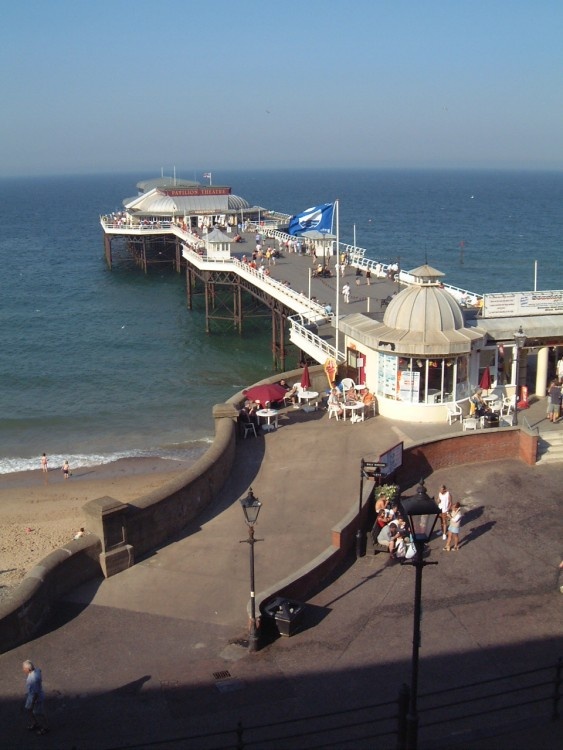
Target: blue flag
[(317, 217)]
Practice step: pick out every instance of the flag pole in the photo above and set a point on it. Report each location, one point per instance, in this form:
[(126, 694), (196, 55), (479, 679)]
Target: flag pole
[(337, 305)]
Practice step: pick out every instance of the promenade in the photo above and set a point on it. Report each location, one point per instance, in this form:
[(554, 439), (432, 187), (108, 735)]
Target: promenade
[(137, 659)]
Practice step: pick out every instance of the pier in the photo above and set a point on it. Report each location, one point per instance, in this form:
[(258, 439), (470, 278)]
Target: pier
[(288, 290)]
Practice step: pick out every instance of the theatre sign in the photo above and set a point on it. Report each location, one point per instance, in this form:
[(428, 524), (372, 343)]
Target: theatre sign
[(512, 304)]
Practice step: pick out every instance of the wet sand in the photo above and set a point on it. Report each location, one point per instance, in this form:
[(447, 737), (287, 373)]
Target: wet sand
[(40, 512)]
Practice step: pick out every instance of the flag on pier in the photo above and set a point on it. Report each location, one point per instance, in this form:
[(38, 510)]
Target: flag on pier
[(317, 217), (207, 175)]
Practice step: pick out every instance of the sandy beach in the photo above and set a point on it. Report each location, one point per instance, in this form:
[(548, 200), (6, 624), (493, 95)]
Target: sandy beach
[(40, 512)]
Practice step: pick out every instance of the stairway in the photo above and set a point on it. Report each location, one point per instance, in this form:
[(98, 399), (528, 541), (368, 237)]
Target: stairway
[(550, 445)]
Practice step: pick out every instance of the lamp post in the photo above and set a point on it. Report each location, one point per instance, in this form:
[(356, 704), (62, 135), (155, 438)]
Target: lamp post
[(422, 513), (251, 508), (519, 341)]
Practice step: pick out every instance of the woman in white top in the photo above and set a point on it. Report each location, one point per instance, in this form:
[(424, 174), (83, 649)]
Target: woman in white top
[(445, 503)]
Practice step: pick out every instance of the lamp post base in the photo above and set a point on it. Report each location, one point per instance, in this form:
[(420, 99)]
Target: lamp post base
[(253, 641)]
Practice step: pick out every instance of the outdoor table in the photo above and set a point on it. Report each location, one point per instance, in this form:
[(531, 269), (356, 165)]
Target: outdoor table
[(353, 406), (308, 396), (268, 415)]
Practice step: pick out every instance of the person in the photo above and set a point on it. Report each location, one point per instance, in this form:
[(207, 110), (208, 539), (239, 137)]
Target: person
[(44, 462), (334, 401), (554, 401), (367, 397), (453, 528), (478, 406), (328, 308), (66, 470), (368, 276), (358, 276), (80, 533), (346, 292), (388, 537), (445, 503), (35, 697), (560, 368)]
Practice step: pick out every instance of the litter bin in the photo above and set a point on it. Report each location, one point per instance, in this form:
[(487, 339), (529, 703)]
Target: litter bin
[(287, 614)]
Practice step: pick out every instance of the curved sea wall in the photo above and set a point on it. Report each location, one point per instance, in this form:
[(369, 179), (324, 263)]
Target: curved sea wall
[(121, 531)]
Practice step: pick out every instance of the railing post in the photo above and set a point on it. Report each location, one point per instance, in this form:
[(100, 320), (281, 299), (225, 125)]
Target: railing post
[(557, 689), (403, 701)]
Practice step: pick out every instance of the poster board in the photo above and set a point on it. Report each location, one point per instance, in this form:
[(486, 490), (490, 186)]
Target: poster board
[(392, 458)]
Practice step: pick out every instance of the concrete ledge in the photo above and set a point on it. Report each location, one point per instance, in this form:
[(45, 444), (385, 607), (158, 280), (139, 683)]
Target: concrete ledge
[(53, 577)]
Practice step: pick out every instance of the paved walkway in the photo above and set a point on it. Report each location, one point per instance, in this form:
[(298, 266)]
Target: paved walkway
[(136, 659)]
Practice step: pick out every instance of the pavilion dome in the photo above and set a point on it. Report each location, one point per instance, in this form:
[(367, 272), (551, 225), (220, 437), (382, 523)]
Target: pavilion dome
[(426, 319)]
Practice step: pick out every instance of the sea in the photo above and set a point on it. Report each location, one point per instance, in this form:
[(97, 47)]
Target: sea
[(97, 365)]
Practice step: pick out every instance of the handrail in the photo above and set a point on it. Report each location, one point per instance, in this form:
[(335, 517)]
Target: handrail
[(316, 340)]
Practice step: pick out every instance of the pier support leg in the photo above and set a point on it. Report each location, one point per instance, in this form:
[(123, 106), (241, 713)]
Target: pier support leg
[(107, 249)]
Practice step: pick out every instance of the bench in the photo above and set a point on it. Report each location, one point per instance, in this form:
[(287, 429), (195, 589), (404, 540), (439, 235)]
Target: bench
[(372, 545)]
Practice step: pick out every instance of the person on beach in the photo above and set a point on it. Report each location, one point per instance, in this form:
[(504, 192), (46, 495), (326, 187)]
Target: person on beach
[(66, 470), (453, 528), (34, 698), (44, 462), (346, 293)]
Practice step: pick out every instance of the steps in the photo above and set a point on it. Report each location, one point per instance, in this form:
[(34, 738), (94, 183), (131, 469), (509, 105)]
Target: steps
[(550, 446)]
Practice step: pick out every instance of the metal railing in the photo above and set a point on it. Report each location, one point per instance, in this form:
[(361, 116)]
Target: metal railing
[(499, 703)]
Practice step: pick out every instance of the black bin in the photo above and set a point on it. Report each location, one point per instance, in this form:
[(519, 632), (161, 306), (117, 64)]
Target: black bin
[(287, 614)]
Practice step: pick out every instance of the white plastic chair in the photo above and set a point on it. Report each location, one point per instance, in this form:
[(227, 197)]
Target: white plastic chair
[(470, 423), (249, 427), (454, 412), (347, 383), (333, 411)]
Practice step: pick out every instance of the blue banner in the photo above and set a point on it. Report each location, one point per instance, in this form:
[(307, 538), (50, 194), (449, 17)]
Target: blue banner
[(318, 218)]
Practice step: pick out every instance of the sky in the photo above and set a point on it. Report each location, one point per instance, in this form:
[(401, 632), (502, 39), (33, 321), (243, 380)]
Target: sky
[(111, 86)]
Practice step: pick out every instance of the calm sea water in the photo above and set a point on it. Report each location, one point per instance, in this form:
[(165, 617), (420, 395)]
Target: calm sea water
[(96, 365)]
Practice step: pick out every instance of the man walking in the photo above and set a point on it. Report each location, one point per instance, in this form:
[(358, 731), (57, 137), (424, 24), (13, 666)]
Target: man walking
[(35, 698)]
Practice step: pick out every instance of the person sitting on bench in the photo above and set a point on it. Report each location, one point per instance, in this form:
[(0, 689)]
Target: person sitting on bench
[(388, 537)]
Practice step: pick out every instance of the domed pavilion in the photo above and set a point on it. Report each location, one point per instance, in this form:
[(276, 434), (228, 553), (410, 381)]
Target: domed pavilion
[(422, 350)]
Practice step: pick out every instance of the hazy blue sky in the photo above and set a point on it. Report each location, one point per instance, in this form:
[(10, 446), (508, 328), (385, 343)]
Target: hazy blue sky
[(136, 85)]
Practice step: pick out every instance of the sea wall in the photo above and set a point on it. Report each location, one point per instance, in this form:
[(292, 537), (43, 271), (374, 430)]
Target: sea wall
[(134, 528)]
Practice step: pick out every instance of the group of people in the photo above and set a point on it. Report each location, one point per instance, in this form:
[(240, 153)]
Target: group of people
[(65, 468), (339, 397), (391, 530)]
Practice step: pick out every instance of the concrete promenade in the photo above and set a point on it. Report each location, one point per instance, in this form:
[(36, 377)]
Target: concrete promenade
[(138, 658)]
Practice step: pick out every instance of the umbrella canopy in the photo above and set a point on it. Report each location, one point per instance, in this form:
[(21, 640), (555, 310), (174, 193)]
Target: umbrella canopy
[(265, 392), (485, 382), (305, 379)]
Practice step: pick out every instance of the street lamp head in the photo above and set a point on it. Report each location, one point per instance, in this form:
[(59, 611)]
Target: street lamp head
[(251, 507), (519, 338), (422, 513)]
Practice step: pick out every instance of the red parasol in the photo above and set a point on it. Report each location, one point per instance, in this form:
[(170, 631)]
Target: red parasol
[(265, 392), (305, 379), (485, 382)]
